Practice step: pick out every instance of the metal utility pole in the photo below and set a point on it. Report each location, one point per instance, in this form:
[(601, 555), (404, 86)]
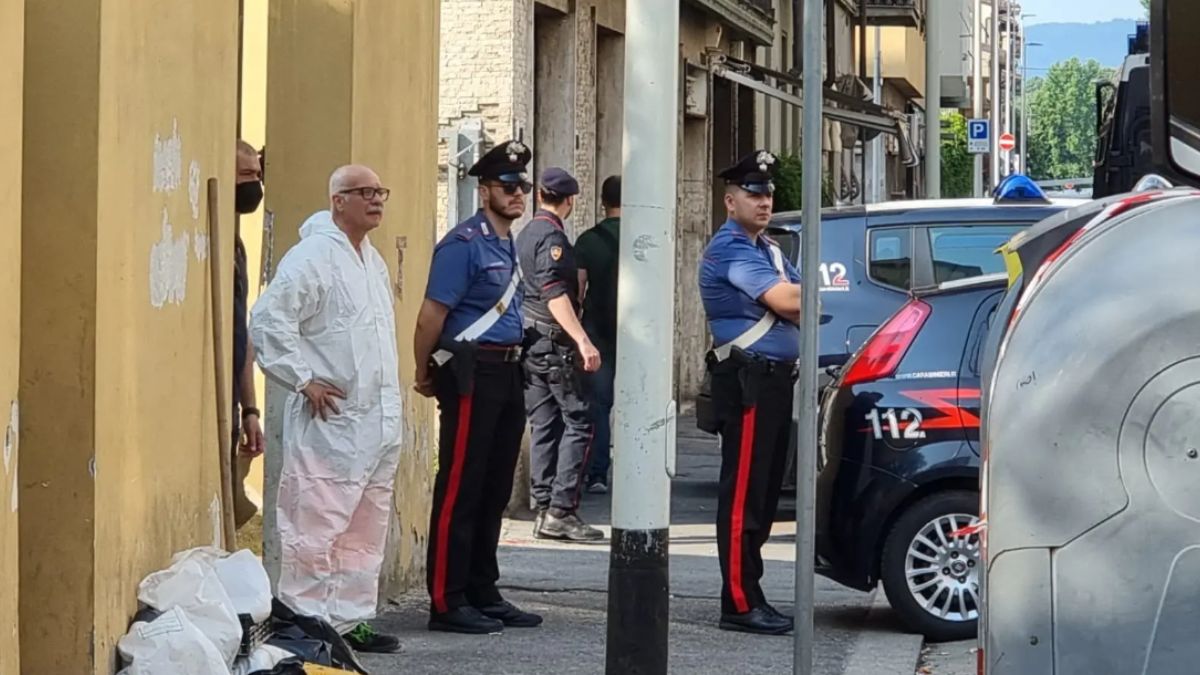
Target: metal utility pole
[(873, 181), (644, 461), (1025, 45), (994, 179), (1009, 76), (933, 103), (977, 88), (805, 404)]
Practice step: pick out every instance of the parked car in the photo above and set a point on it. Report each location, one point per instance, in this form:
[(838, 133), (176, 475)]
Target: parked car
[(899, 459), (873, 256)]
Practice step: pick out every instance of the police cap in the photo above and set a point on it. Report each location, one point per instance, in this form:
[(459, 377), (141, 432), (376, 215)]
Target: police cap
[(753, 173), (505, 163), (559, 182)]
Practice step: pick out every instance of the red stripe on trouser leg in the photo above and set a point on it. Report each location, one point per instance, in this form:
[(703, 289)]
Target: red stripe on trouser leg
[(456, 469), (737, 522)]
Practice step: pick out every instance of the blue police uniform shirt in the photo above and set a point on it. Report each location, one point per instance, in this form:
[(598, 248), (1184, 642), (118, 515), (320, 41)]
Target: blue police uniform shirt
[(471, 270), (734, 274)]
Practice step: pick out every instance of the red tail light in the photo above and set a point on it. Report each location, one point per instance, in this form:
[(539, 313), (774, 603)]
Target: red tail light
[(980, 663), (883, 352)]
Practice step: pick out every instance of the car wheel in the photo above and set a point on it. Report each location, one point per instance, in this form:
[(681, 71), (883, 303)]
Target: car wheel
[(930, 576)]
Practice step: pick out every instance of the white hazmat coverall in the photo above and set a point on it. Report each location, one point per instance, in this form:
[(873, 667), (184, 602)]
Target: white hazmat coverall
[(327, 316)]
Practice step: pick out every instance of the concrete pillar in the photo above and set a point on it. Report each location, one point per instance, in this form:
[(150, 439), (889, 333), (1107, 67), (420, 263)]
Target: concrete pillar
[(610, 96), (584, 159), (12, 34), (366, 97), (121, 451)]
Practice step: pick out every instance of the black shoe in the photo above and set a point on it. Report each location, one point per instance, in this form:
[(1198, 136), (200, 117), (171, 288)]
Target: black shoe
[(511, 615), (569, 527), (363, 638), (538, 521), (465, 619), (767, 606), (759, 620)]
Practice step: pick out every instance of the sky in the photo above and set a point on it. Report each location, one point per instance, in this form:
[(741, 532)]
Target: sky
[(1054, 11)]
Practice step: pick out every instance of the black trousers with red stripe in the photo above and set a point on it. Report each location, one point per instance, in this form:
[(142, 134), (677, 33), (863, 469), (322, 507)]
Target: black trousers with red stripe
[(754, 406), (478, 447)]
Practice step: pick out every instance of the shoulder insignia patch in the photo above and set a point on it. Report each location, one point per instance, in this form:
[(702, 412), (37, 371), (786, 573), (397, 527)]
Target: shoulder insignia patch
[(556, 253), (466, 233)]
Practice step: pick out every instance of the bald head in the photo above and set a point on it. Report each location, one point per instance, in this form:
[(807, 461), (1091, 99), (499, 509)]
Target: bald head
[(356, 198)]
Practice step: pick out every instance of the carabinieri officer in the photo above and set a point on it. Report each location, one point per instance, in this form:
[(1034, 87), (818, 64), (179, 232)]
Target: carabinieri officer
[(559, 352), (751, 295), (468, 354)]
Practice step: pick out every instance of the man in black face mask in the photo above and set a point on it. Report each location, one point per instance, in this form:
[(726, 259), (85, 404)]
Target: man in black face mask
[(247, 428)]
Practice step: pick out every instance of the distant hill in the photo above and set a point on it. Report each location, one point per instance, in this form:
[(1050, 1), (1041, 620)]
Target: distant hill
[(1106, 42)]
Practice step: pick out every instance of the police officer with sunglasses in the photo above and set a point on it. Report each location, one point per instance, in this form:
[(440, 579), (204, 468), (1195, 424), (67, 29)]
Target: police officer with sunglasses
[(468, 355)]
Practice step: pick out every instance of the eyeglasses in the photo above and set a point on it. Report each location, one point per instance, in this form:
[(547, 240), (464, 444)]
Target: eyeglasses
[(369, 193), (511, 188)]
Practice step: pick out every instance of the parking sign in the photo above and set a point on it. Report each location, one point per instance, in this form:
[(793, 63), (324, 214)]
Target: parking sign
[(979, 136)]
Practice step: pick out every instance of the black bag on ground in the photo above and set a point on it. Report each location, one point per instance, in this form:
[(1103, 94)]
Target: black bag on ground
[(312, 639)]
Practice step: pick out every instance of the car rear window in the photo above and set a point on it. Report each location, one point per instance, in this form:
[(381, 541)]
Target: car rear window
[(891, 257), (965, 251)]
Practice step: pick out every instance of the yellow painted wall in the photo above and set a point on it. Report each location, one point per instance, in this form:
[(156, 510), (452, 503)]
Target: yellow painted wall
[(12, 33), (903, 57), (118, 385), (254, 132), (356, 81)]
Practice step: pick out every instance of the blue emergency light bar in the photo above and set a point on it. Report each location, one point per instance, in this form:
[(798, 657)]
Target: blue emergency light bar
[(1019, 188)]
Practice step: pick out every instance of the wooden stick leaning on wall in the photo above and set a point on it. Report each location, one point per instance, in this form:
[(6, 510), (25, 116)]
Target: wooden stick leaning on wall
[(224, 405)]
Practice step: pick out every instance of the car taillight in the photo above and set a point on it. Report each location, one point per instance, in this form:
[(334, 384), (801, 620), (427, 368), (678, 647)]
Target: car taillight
[(883, 352), (980, 663)]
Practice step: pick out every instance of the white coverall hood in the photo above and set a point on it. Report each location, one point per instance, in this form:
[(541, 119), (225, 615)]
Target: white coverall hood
[(327, 316)]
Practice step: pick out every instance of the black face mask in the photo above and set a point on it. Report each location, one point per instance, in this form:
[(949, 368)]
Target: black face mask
[(248, 196)]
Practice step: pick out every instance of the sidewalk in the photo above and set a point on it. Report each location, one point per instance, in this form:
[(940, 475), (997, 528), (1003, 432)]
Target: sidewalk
[(567, 584)]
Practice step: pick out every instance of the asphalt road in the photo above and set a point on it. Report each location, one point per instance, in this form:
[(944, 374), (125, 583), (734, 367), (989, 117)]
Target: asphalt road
[(855, 633)]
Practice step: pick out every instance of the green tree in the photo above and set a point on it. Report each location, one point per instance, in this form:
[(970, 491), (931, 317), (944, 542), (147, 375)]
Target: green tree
[(1146, 5), (957, 163), (789, 185), (1062, 120)]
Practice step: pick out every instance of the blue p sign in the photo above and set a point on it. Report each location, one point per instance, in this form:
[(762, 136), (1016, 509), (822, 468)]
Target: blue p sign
[(978, 136)]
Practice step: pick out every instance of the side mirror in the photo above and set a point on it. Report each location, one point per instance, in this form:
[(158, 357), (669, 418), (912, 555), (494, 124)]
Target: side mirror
[(1175, 98)]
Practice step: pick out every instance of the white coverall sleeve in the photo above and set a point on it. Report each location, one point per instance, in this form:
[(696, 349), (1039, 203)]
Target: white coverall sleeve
[(292, 297)]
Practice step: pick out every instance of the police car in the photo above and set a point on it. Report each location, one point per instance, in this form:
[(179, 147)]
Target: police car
[(872, 257)]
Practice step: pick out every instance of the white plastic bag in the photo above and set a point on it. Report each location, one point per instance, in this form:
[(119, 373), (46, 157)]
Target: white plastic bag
[(170, 644), (191, 583), (265, 657), (247, 583)]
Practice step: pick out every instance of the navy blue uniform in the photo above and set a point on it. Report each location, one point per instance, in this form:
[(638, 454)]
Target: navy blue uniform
[(560, 426), (479, 394)]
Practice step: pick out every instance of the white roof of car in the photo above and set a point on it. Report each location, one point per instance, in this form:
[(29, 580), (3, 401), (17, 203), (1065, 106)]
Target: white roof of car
[(962, 203)]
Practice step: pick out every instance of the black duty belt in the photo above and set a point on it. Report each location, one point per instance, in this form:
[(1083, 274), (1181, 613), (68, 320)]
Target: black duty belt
[(739, 359), (498, 353)]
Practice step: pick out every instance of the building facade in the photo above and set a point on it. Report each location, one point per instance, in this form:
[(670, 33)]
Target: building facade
[(551, 72)]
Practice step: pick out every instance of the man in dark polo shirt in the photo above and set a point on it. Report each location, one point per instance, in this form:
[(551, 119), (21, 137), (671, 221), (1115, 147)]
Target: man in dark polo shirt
[(596, 252)]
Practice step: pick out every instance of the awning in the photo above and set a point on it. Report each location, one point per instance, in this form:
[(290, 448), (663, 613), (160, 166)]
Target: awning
[(864, 114)]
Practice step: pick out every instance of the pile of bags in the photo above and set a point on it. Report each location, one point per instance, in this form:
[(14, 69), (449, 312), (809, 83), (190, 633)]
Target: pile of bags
[(212, 613)]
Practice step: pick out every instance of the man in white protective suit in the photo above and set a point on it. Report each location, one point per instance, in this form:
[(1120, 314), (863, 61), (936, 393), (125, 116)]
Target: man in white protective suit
[(325, 329)]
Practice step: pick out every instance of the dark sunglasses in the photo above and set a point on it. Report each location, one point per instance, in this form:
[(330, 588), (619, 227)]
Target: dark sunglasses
[(510, 189), (369, 193)]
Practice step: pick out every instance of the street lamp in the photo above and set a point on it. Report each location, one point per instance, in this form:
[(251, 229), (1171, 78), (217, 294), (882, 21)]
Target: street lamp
[(1025, 102)]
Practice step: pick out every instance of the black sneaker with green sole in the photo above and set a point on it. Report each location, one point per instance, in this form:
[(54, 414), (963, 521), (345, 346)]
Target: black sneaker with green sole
[(365, 639)]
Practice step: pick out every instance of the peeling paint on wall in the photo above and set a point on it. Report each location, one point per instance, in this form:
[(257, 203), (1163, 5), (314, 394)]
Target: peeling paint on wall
[(168, 160), (10, 435), (200, 245), (214, 513), (92, 467), (168, 266), (194, 188)]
